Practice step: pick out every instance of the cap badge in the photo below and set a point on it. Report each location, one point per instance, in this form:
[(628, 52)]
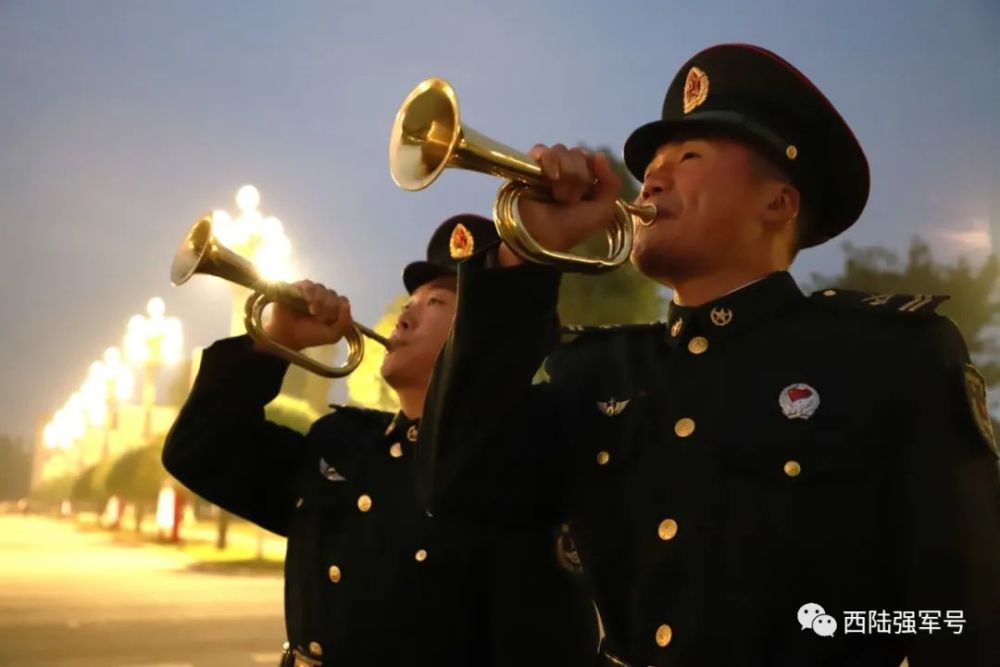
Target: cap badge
[(798, 401), (695, 89), (461, 243)]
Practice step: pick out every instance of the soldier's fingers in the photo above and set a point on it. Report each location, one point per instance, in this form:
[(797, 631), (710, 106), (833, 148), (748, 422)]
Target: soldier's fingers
[(577, 172), (316, 296), (548, 160), (343, 319), (306, 287), (575, 161), (564, 192), (330, 307), (608, 182), (537, 150)]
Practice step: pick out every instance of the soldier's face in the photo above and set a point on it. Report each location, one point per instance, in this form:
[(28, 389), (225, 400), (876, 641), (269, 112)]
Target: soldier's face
[(708, 200), (421, 331)]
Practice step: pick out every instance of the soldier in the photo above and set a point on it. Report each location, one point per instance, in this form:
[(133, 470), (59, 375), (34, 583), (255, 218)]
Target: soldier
[(372, 579), (767, 478)]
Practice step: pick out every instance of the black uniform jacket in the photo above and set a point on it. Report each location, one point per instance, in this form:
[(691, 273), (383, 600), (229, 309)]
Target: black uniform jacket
[(724, 469), (370, 577)]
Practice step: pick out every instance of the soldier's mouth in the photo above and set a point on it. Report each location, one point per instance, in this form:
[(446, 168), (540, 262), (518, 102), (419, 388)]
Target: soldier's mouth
[(663, 214)]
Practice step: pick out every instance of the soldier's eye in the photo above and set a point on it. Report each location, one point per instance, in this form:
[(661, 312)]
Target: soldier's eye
[(689, 155)]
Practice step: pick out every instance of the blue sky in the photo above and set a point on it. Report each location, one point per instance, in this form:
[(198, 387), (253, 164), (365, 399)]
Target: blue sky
[(122, 121)]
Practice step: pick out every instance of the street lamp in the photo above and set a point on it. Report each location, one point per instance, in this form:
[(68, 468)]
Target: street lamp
[(108, 382), (67, 425), (260, 239), (151, 341)]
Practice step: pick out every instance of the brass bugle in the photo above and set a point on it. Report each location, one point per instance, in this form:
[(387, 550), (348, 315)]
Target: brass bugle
[(428, 137), (201, 252)]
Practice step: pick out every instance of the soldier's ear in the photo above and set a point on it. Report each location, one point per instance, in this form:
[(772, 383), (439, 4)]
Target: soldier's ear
[(782, 205)]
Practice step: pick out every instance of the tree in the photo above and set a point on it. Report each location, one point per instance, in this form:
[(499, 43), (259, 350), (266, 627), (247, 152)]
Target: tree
[(974, 305), (366, 386), (91, 485), (54, 490), (137, 477), (15, 468), (622, 296), (295, 413)]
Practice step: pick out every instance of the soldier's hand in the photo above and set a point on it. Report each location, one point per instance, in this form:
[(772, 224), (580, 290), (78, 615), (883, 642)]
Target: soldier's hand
[(583, 188), (328, 319)]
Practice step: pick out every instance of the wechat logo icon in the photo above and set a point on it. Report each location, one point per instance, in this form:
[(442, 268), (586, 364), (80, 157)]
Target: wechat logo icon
[(813, 617)]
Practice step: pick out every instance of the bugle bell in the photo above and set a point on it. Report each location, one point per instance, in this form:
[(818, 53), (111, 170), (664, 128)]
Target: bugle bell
[(201, 252), (428, 137)]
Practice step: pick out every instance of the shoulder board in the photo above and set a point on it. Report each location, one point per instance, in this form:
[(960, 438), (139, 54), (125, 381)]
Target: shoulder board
[(358, 410), (903, 304), (572, 331)]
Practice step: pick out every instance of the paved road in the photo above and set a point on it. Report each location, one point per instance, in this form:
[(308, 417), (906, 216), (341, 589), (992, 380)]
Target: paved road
[(76, 599)]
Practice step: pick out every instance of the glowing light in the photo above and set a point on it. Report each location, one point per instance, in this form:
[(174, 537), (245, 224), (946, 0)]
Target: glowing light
[(124, 385), (155, 339), (95, 394), (172, 342), (155, 308), (165, 508), (260, 239), (223, 228), (50, 436), (247, 198)]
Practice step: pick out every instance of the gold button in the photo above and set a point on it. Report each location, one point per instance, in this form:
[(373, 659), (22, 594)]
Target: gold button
[(697, 345), (334, 572), (792, 468), (830, 292), (411, 434), (300, 502), (285, 646), (396, 450), (667, 529), (603, 458), (792, 152), (315, 648), (664, 634), (364, 502), (684, 427), (421, 555)]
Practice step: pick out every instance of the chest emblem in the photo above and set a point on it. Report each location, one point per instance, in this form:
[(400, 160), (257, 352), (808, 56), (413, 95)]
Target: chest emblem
[(611, 407), (329, 471), (721, 316), (798, 401)]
